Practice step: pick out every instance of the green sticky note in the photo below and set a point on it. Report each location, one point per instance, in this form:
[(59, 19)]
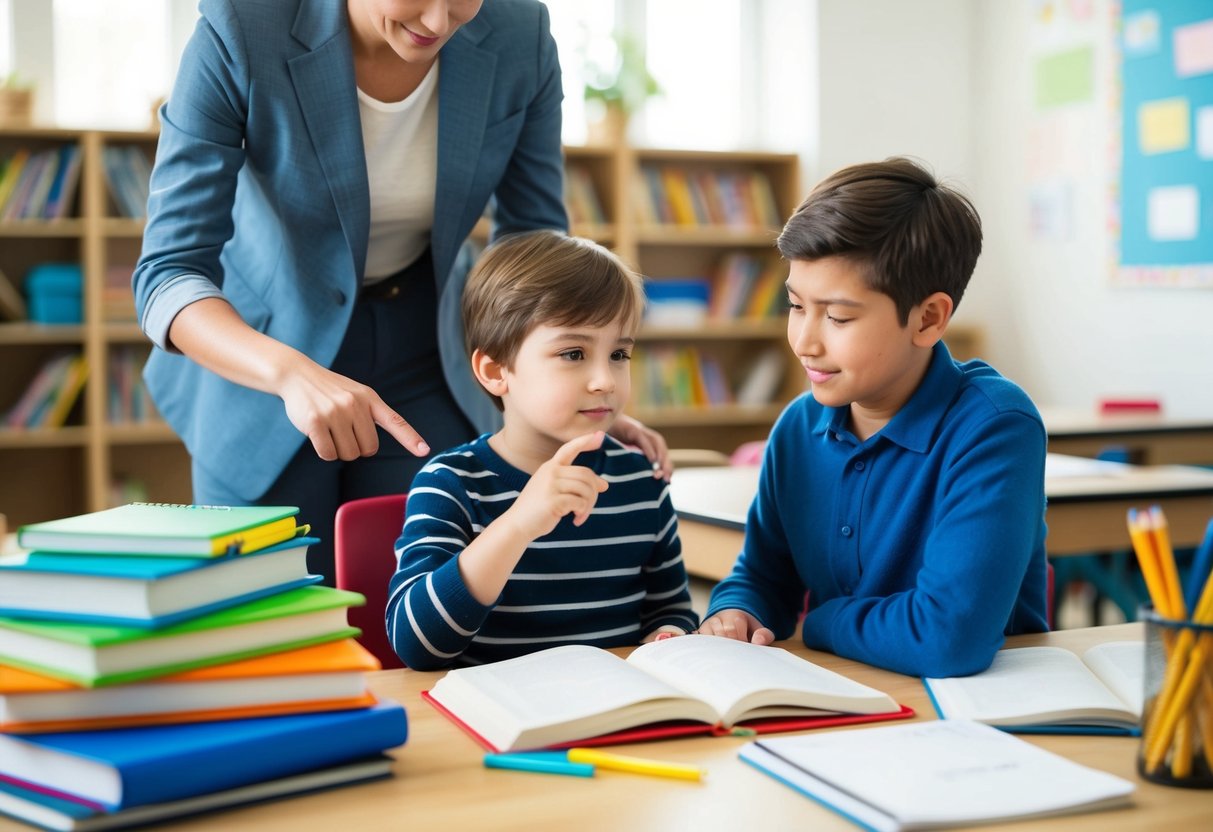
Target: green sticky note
[(1065, 77)]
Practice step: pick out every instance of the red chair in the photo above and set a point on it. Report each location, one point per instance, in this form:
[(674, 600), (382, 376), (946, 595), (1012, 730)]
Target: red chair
[(363, 541)]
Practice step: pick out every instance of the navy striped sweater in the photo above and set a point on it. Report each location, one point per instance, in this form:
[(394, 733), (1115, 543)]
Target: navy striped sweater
[(608, 582)]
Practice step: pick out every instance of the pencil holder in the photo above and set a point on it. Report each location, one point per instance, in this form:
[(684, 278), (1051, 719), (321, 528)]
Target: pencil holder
[(1177, 721)]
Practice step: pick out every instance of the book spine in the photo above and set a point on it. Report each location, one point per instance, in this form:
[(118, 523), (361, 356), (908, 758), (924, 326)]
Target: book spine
[(308, 742)]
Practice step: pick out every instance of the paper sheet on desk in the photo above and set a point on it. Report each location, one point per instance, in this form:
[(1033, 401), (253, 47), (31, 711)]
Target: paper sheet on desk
[(1062, 466)]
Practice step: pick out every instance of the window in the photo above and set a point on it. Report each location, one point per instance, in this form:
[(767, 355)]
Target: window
[(6, 38), (112, 61)]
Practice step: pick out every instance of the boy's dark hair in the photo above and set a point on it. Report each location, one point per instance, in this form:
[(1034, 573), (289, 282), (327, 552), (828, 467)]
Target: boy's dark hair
[(912, 236), (532, 278)]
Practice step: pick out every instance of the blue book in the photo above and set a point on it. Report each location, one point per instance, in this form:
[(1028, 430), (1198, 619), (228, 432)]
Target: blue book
[(50, 812), (128, 767), (145, 591)]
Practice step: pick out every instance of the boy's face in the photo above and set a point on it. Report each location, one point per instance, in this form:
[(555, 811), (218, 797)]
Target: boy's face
[(851, 342), (567, 381)]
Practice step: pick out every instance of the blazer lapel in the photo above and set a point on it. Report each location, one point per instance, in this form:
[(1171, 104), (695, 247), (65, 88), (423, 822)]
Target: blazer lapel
[(465, 81), (327, 92)]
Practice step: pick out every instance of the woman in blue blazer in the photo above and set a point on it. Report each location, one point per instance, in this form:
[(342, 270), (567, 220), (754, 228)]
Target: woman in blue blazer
[(320, 165)]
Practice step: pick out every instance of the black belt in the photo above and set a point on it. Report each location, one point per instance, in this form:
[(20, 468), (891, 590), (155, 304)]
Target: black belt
[(390, 287)]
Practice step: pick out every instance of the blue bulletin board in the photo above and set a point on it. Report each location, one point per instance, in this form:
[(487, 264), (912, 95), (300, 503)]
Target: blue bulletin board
[(1163, 197)]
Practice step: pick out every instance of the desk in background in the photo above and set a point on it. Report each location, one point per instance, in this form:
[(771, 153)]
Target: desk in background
[(440, 782), (1087, 498), (1148, 438)]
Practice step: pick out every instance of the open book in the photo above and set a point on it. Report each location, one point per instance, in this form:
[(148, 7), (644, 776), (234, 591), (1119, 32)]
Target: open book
[(580, 695), (930, 775), (1051, 690)]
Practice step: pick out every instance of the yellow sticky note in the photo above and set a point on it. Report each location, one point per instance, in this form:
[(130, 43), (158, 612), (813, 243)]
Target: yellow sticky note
[(1162, 126)]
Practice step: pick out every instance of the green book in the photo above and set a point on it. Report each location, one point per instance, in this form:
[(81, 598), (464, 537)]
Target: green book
[(94, 655), (164, 529)]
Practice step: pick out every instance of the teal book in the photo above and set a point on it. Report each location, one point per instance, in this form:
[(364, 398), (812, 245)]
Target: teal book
[(94, 654), (127, 767), (149, 591), (164, 529)]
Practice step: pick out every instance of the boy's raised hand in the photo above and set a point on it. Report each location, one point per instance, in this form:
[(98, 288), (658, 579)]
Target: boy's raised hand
[(558, 488), (737, 624)]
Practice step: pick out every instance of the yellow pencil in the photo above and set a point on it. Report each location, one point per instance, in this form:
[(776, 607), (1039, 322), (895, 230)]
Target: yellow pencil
[(635, 765), (1166, 559)]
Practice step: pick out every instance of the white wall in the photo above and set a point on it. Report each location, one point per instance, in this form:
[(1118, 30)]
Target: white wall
[(1056, 323)]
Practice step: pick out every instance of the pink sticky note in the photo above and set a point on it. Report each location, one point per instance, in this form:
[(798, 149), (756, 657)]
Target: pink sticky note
[(1194, 49)]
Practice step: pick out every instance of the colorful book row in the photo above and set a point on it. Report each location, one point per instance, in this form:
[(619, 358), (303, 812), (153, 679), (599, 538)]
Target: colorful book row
[(39, 185), (49, 397), (670, 195)]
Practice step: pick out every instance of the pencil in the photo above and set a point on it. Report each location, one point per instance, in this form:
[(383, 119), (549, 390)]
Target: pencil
[(635, 765)]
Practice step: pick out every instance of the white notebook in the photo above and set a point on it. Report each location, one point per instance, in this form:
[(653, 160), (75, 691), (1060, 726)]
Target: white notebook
[(930, 775)]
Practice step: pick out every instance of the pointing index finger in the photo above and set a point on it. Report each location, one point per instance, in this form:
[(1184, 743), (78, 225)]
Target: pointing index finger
[(569, 450)]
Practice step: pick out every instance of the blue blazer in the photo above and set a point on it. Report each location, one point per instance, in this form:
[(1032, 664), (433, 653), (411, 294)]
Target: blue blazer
[(260, 185)]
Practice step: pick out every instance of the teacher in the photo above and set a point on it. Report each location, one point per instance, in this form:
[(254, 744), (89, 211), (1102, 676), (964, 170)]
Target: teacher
[(319, 167)]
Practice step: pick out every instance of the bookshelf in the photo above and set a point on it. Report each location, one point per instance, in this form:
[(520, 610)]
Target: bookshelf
[(55, 472), (58, 471)]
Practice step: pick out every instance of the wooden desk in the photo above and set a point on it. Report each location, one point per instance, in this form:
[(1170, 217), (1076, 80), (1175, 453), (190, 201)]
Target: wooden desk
[(441, 784), (1087, 498), (1149, 438)]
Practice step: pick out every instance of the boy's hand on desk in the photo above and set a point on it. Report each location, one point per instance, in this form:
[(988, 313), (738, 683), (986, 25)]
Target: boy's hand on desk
[(558, 488), (737, 624), (663, 632)]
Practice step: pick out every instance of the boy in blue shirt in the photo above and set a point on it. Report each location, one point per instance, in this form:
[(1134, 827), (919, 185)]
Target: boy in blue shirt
[(905, 492), (546, 532)]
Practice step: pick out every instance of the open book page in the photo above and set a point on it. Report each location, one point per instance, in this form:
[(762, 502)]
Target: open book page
[(1121, 666), (933, 774), (532, 700), (745, 681), (1028, 686)]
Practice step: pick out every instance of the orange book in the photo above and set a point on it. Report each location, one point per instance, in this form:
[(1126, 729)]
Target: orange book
[(323, 677)]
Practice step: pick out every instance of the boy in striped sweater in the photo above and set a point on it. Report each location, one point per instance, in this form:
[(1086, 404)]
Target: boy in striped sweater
[(548, 531)]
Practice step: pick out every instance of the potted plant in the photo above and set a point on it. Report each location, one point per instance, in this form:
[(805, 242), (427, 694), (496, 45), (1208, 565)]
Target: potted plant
[(616, 89), (16, 100)]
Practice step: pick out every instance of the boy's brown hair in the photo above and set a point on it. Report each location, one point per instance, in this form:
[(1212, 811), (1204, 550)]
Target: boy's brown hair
[(532, 278), (911, 235)]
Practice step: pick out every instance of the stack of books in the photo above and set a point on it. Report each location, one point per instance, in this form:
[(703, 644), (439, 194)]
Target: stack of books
[(159, 660)]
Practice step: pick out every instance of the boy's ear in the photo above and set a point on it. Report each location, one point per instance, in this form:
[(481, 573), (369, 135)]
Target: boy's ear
[(930, 319), (489, 373)]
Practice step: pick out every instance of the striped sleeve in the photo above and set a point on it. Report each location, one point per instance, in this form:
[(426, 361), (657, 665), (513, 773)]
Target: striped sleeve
[(431, 616), (667, 599)]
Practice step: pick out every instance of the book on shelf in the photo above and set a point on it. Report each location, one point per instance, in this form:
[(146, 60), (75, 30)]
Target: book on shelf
[(1051, 690), (63, 190), (64, 815), (322, 677), (127, 173), (27, 411), (12, 175), (694, 684), (127, 767), (164, 529), (12, 305), (94, 655), (145, 591), (581, 196), (59, 405), (930, 775)]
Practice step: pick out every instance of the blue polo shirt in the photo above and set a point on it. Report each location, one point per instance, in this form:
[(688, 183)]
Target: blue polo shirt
[(920, 547)]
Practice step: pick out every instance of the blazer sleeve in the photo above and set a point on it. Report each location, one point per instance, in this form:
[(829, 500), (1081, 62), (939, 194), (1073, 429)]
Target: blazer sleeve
[(198, 158), (531, 193)]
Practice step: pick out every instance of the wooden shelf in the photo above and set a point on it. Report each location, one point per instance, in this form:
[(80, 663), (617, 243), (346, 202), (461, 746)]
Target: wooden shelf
[(715, 236), (42, 228), (68, 437), (23, 332), (744, 329), (53, 472)]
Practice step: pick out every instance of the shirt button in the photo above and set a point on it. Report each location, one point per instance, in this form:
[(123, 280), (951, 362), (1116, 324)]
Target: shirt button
[(339, 296), (846, 531), (859, 466)]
